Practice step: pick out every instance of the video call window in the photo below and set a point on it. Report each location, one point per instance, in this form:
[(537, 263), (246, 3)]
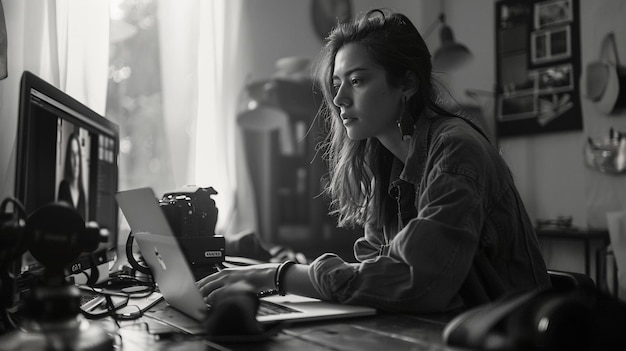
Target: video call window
[(72, 167), (74, 163)]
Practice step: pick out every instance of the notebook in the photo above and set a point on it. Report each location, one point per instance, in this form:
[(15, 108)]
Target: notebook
[(175, 279)]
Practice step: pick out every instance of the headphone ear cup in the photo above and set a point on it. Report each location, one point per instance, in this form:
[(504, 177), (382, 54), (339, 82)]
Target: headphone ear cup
[(131, 258), (93, 236), (563, 322), (12, 239), (59, 228)]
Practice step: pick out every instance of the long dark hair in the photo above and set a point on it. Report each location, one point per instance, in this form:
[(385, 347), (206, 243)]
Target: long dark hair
[(359, 169), (67, 169)]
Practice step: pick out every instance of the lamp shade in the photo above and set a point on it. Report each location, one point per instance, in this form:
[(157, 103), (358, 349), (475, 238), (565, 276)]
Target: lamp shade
[(451, 54)]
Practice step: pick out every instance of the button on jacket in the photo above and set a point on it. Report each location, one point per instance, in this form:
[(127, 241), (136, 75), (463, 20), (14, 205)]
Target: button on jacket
[(462, 230)]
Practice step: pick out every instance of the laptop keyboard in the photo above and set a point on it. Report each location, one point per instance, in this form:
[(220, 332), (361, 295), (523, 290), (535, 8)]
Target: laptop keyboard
[(267, 308), (84, 298)]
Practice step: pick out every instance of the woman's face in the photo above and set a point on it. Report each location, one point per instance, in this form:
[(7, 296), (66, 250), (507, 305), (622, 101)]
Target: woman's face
[(75, 158), (369, 105)]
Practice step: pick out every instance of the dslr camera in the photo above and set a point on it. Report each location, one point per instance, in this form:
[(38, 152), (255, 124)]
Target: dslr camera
[(192, 216), (190, 211)]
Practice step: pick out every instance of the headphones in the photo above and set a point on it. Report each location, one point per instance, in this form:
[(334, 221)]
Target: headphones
[(55, 234), (12, 241)]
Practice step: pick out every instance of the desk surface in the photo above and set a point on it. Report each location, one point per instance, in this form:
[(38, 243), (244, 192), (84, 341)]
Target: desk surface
[(380, 332)]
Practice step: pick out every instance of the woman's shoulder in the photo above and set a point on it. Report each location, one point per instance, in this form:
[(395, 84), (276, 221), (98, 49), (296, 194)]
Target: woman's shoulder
[(461, 143), (457, 129)]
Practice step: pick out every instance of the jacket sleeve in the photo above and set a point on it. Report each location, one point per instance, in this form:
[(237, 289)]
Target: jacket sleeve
[(425, 263)]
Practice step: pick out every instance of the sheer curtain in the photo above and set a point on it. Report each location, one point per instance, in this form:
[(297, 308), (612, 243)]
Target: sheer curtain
[(82, 30), (202, 77), (65, 42)]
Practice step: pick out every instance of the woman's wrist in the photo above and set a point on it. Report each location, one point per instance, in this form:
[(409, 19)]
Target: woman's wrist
[(279, 277), (294, 279), (264, 278), (274, 279)]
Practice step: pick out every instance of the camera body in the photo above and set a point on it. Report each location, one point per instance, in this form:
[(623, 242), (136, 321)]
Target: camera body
[(190, 211), (192, 216)]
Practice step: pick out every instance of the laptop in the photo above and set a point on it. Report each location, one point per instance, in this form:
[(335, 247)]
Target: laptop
[(175, 279)]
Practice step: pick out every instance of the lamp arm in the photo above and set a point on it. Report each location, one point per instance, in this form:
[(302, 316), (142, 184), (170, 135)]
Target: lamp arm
[(429, 30), (479, 92)]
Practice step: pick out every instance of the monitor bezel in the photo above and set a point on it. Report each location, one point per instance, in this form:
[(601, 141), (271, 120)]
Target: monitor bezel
[(30, 81)]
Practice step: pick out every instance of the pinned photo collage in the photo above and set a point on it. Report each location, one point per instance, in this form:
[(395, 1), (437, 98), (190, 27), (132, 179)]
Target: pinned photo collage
[(537, 76)]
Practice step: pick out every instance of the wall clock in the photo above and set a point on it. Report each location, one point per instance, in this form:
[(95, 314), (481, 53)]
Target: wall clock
[(327, 13)]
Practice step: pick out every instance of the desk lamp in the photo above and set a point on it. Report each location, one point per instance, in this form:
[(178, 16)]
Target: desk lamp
[(451, 54)]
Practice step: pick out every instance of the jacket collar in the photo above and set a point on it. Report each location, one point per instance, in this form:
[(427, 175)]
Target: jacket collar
[(415, 162)]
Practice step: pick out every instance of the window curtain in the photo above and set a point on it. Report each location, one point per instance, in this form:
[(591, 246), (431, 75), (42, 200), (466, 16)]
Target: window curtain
[(202, 77), (65, 42)]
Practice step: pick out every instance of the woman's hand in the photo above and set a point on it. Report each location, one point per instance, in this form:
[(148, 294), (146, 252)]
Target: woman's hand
[(259, 277)]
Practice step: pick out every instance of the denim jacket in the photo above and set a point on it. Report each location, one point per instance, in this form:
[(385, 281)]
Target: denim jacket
[(462, 231)]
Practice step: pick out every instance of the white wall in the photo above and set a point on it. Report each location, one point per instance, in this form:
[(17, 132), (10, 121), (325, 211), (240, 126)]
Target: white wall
[(548, 169), (280, 28)]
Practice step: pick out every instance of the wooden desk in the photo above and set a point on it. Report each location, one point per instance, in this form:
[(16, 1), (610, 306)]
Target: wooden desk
[(380, 332)]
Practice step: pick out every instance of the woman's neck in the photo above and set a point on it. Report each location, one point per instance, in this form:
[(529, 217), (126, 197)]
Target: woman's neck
[(396, 145)]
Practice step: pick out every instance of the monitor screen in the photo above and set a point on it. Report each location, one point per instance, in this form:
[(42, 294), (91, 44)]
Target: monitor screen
[(67, 152)]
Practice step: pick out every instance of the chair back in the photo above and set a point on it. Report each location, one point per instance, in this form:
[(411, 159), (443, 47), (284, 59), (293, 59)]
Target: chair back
[(566, 281)]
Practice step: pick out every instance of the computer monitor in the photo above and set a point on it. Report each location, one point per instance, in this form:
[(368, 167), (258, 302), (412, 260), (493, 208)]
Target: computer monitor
[(66, 151)]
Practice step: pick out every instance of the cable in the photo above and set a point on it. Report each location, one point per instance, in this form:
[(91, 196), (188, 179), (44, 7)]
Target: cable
[(131, 258), (95, 274), (129, 281)]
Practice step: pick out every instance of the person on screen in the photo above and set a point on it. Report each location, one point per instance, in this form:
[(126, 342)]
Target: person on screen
[(444, 225), (71, 189)]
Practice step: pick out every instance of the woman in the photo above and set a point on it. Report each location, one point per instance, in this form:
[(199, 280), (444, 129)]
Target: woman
[(444, 224), (71, 188)]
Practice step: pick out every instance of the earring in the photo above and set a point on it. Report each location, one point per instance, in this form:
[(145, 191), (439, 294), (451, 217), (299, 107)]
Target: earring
[(406, 123)]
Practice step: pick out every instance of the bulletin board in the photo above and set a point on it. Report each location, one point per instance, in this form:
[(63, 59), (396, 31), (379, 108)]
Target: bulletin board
[(537, 67)]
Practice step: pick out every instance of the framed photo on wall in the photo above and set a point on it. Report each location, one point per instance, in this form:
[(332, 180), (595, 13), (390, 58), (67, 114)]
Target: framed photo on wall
[(550, 45), (553, 12), (538, 78), (516, 107), (555, 79)]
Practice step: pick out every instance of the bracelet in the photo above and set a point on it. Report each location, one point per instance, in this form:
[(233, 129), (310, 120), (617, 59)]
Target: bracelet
[(278, 276), (268, 292)]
